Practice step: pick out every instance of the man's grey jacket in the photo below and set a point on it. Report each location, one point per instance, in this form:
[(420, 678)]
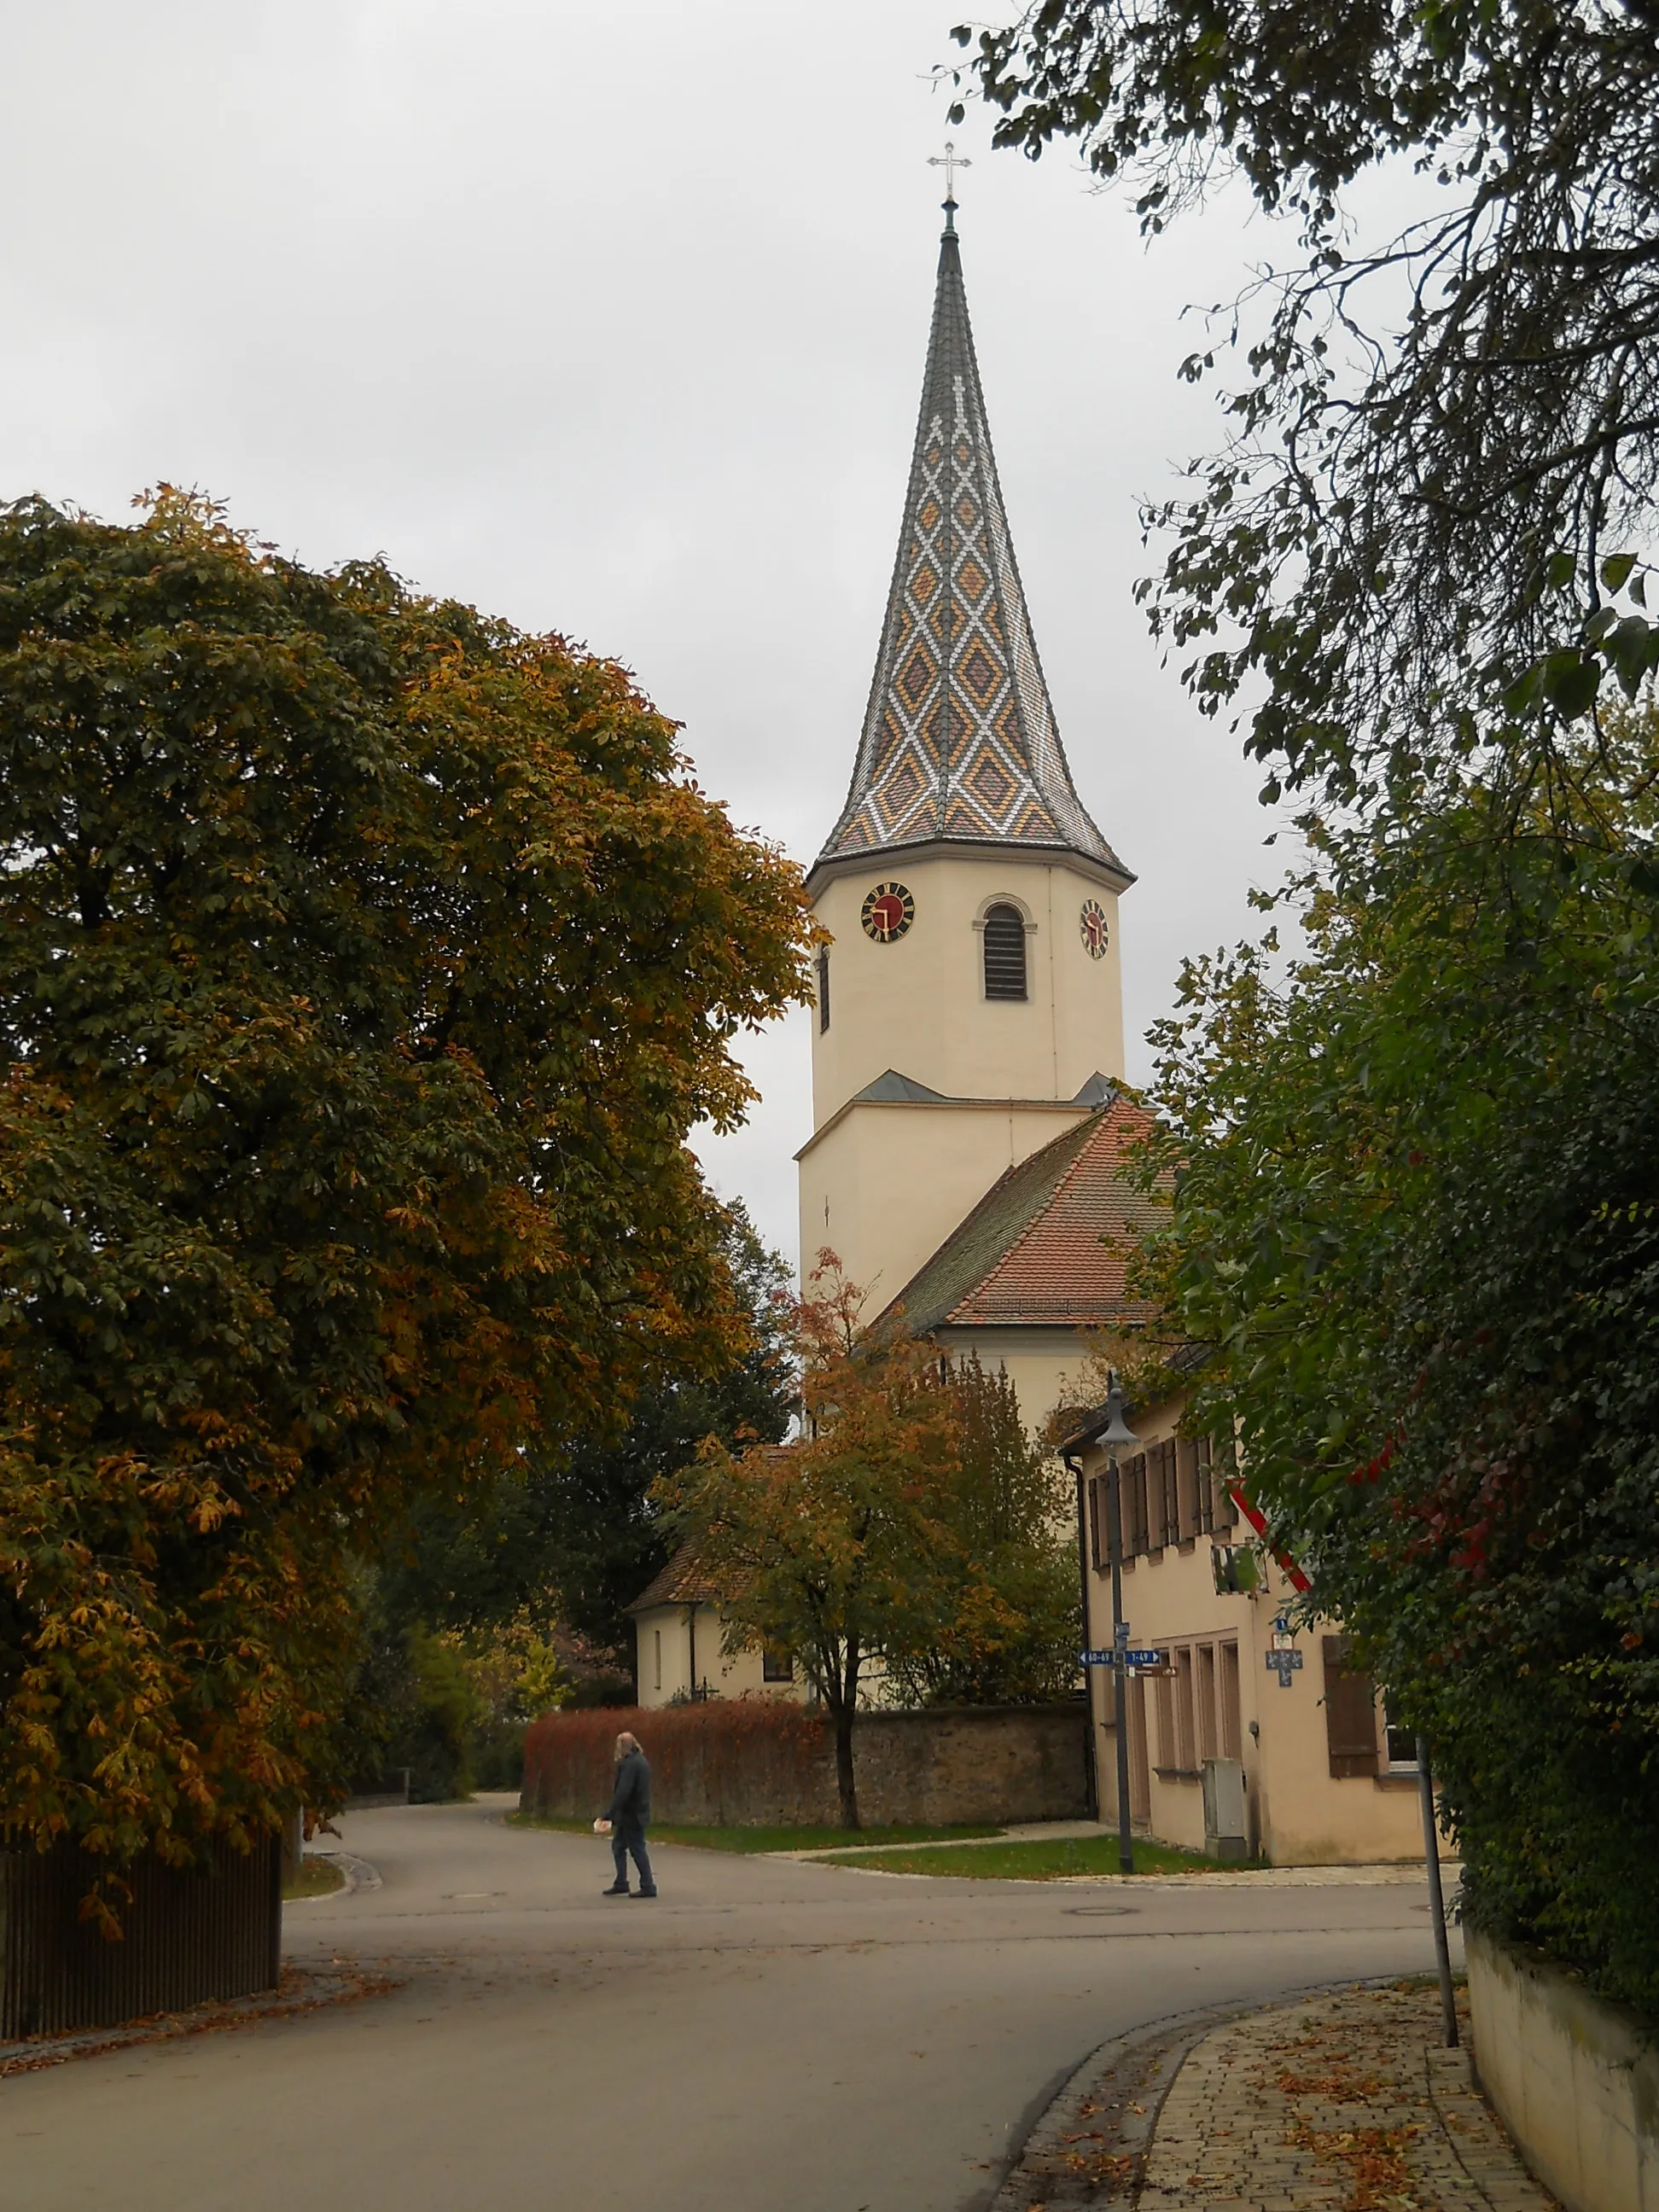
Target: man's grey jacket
[(631, 1800)]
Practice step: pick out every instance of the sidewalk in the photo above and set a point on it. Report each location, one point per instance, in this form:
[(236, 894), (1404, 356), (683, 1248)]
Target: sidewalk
[(1385, 1872), (1345, 2101)]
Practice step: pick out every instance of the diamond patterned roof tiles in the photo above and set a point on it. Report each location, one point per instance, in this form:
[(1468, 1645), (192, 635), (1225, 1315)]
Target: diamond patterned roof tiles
[(960, 741)]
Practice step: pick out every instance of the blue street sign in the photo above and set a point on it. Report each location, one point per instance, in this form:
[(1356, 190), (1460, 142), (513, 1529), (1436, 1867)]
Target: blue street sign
[(1122, 1655), (1094, 1658)]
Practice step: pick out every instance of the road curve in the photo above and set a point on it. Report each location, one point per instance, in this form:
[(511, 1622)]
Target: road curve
[(764, 2036)]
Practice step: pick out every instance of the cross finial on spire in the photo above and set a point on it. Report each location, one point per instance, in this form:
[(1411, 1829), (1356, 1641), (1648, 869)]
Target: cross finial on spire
[(949, 160)]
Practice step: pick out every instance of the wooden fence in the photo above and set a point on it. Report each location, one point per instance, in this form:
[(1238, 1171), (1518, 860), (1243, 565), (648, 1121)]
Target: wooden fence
[(188, 1938)]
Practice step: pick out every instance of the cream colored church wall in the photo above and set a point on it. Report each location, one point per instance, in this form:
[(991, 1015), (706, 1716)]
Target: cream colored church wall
[(1043, 1365), (885, 1185), (918, 1004)]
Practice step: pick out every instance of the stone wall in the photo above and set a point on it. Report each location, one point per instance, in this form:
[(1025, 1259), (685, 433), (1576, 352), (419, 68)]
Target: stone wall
[(761, 1762), (1575, 2079)]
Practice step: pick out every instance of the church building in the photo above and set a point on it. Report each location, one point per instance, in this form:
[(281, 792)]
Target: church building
[(967, 1168), (968, 1028)]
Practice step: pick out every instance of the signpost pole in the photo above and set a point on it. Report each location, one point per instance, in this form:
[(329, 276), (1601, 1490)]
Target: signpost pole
[(1436, 1899), (1126, 1854), (1091, 1774)]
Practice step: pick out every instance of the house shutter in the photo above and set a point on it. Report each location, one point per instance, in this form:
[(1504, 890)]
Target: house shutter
[(1135, 1484), (1004, 953), (1350, 1713), (1096, 1527), (1224, 1471), (1169, 1498), (1204, 1480), (1186, 1490)]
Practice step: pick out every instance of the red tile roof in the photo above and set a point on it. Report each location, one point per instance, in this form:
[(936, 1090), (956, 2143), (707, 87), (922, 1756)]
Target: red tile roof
[(1049, 1243), (682, 1582)]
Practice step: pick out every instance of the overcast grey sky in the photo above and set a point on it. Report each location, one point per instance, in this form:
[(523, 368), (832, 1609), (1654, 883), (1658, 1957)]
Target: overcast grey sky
[(610, 318)]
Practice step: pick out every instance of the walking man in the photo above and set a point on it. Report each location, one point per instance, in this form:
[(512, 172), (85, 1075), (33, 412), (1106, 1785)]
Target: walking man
[(630, 1808)]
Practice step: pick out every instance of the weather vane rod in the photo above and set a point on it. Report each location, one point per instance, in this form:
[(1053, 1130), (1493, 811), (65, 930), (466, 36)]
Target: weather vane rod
[(949, 160)]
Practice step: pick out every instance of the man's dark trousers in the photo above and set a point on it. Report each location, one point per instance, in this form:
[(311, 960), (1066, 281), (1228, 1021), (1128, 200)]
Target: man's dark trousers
[(628, 1836)]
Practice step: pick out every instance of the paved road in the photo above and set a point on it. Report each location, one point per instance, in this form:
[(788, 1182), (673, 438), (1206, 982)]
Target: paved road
[(765, 2037)]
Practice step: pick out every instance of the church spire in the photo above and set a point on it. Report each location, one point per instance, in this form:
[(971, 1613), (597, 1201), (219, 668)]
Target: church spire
[(960, 743)]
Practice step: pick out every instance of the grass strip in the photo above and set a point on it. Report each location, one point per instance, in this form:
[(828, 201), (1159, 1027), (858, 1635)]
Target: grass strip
[(1036, 1862), (314, 1877), (766, 1839)]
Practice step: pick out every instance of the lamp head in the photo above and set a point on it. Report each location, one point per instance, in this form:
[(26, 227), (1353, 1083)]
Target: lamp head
[(1117, 1434)]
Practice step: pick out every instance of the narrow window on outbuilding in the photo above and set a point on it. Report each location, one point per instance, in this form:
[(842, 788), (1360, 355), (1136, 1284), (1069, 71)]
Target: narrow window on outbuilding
[(656, 1638), (1004, 953), (824, 987)]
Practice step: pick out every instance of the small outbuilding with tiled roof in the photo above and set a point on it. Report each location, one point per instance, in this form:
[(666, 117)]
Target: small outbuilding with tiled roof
[(680, 1637)]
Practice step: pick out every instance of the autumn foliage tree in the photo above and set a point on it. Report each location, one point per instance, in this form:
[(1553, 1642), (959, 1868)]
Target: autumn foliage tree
[(864, 1545), (363, 965)]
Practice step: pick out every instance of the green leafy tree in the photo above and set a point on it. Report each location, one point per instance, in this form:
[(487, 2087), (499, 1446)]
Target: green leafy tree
[(1012, 1639), (1417, 1216), (363, 965), (1419, 546)]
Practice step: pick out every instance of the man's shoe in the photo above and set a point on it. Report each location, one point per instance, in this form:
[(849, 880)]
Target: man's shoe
[(616, 1889), (644, 1892)]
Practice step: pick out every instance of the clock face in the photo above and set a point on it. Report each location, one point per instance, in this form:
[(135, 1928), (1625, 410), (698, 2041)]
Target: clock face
[(887, 913), (1091, 924)]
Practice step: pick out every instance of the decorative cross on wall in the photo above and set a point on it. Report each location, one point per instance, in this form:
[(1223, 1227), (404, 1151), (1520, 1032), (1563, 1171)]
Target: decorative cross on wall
[(1283, 1664), (949, 160)]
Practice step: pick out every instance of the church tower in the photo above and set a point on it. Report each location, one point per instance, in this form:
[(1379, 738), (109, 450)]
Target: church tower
[(968, 1003)]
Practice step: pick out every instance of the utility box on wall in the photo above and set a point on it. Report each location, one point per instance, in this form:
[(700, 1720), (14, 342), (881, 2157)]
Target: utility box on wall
[(1227, 1834)]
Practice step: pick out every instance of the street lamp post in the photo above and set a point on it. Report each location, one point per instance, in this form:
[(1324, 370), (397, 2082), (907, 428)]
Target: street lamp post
[(1116, 1434)]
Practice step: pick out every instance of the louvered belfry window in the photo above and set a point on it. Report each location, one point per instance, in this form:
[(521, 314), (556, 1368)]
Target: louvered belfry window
[(1004, 953)]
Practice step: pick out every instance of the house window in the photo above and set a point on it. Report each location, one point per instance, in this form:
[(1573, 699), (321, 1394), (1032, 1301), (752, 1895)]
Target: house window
[(823, 987), (1232, 1731), (777, 1667), (1168, 1751), (1400, 1743), (656, 1657), (1004, 953), (1207, 1745), (1187, 1749)]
